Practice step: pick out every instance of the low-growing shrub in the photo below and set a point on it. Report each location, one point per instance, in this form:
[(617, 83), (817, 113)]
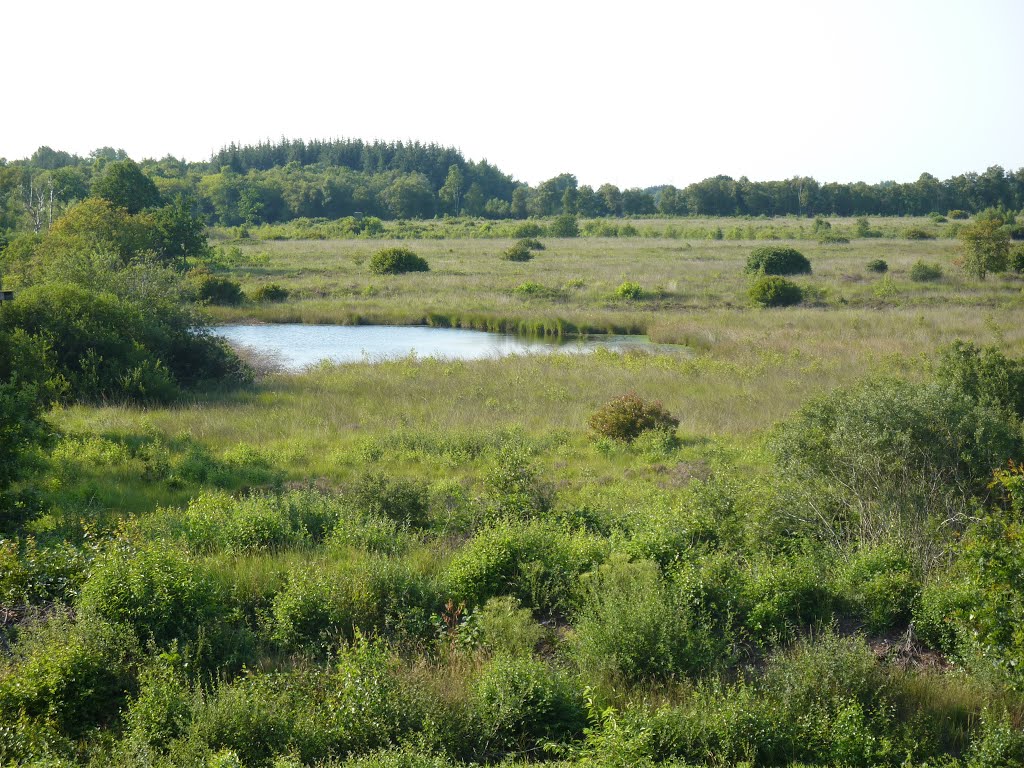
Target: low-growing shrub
[(958, 215), (404, 501), (156, 590), (523, 702), (507, 628), (777, 260), (774, 291), (833, 239), (538, 562), (527, 229), (635, 626), (74, 674), (879, 586), (625, 417), (517, 252), (221, 291), (916, 233), (272, 292), (565, 225), (532, 243), (323, 604), (532, 290), (877, 265), (397, 261), (630, 291), (923, 272)]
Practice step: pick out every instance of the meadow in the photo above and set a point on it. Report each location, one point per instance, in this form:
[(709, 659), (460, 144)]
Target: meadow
[(425, 562)]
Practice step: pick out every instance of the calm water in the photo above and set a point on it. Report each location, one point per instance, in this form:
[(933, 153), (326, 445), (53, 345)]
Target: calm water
[(296, 346)]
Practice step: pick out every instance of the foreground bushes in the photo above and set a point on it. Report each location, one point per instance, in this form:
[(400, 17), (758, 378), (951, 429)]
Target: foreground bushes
[(101, 347)]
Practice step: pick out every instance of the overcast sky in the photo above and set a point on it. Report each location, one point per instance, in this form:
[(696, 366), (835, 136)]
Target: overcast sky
[(634, 93)]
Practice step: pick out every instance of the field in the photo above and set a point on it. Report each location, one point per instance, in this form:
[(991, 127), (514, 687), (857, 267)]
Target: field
[(424, 562)]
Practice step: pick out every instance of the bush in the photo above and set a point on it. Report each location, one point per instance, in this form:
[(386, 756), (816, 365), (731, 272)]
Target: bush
[(76, 675), (625, 417), (404, 501), (324, 603), (777, 260), (397, 261), (958, 215), (272, 292), (635, 626), (532, 290), (507, 628), (916, 233), (630, 291), (879, 586), (877, 265), (1017, 259), (564, 226), (523, 702), (922, 272), (831, 239), (773, 291), (220, 291), (527, 229), (532, 243), (517, 252), (538, 562), (158, 592)]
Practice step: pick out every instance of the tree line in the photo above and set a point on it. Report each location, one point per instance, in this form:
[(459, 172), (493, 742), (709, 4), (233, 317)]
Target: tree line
[(290, 179)]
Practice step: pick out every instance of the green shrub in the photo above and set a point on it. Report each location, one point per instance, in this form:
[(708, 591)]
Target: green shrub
[(258, 522), (773, 291), (565, 225), (633, 625), (157, 591), (625, 417), (271, 292), (221, 291), (958, 215), (777, 260), (538, 562), (1017, 259), (532, 290), (532, 243), (923, 272), (527, 229), (916, 233), (785, 595), (507, 628), (879, 586), (76, 675), (513, 487), (522, 703), (832, 239), (630, 291), (397, 261), (405, 501), (517, 252), (323, 604), (877, 265), (101, 347)]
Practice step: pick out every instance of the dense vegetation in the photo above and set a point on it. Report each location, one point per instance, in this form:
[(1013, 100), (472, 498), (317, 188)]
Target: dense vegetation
[(793, 541)]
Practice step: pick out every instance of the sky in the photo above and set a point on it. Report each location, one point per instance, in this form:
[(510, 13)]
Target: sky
[(633, 93)]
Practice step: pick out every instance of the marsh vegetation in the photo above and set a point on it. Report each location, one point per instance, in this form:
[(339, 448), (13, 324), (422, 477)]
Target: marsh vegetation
[(791, 539)]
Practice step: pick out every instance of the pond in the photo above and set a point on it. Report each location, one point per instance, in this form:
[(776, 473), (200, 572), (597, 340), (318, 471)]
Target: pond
[(296, 346)]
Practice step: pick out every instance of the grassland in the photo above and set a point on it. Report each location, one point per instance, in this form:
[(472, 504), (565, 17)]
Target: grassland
[(697, 589)]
